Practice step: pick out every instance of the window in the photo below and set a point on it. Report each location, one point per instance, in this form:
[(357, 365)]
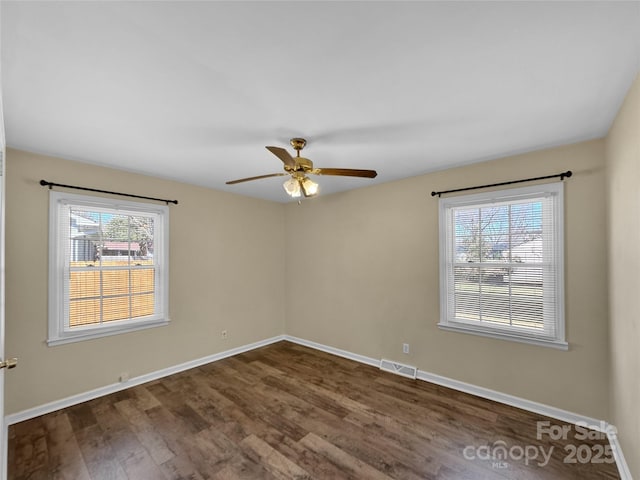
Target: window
[(501, 264), (108, 266)]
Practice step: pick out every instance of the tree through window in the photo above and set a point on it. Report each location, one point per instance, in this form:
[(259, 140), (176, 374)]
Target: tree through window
[(501, 264), (108, 266)]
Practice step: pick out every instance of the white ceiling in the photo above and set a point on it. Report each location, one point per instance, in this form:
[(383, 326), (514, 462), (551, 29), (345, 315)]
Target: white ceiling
[(193, 91)]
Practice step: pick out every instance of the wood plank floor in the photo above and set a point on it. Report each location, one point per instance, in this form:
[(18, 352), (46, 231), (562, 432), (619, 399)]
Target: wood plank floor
[(286, 411)]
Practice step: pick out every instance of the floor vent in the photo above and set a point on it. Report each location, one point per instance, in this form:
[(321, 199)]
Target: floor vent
[(398, 368)]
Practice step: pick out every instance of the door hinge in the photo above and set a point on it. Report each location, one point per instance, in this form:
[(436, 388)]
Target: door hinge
[(9, 363)]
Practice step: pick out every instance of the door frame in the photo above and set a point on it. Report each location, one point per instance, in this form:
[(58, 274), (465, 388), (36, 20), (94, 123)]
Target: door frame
[(4, 436)]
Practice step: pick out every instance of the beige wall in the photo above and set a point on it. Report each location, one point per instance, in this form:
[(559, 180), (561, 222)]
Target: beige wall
[(623, 157), (226, 272), (361, 274), (365, 279)]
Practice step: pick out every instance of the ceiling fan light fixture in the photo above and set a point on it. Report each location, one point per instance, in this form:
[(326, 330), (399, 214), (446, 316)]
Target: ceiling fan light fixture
[(292, 187), (309, 187), (298, 167)]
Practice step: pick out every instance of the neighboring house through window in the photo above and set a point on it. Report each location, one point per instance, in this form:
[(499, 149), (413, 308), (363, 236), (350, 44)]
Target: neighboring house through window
[(501, 264), (108, 266)]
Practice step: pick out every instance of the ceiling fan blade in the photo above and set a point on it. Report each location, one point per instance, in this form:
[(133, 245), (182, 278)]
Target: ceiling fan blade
[(248, 179), (346, 172), (283, 155)]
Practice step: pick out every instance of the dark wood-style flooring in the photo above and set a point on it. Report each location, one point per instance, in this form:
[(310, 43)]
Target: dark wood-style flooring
[(287, 411)]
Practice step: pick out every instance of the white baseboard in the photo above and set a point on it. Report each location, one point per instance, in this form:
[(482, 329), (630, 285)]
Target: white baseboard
[(489, 394), (514, 401), (504, 398), (334, 351), (116, 387), (621, 462), (507, 399)]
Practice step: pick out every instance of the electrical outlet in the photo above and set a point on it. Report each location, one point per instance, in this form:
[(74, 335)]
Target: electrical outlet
[(224, 334), (405, 348), (124, 377)]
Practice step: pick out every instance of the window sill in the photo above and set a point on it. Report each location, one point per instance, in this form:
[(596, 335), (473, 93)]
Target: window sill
[(103, 332), (558, 344)]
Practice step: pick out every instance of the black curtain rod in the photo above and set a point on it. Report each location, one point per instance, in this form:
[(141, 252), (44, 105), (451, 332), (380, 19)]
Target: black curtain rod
[(44, 183), (562, 176)]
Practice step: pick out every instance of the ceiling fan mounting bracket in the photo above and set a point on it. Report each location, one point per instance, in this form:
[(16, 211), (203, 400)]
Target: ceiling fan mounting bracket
[(298, 144)]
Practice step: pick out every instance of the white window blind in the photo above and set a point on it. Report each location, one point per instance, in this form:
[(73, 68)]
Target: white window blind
[(108, 266), (502, 264)]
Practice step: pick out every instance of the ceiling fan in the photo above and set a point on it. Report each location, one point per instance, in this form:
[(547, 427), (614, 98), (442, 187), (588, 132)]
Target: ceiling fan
[(299, 167)]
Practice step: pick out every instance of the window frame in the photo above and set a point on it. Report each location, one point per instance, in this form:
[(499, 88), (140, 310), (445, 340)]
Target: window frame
[(447, 259), (60, 204)]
